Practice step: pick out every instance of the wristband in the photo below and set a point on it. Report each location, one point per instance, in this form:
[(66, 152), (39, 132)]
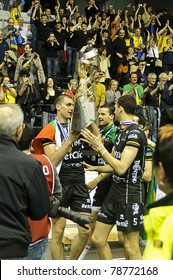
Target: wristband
[(103, 148), (103, 152)]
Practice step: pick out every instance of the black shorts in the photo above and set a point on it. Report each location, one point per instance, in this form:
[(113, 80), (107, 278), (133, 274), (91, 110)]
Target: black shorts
[(101, 193), (76, 197), (127, 216)]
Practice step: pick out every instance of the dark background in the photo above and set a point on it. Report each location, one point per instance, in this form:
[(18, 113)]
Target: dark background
[(118, 4)]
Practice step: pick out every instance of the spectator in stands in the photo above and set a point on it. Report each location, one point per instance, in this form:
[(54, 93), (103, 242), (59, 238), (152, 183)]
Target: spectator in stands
[(142, 76), (31, 61), (103, 39), (134, 89), (132, 59), (98, 89), (50, 18), (152, 102), (165, 90), (91, 10), (3, 48), (153, 25), (12, 36), (49, 95), (73, 85), (82, 36), (168, 55), (72, 88), (8, 93), (104, 65), (71, 51), (15, 10), (118, 54), (152, 53), (112, 93), (71, 8), (138, 21), (27, 93), (9, 64), (77, 21), (25, 31), (35, 5), (43, 27), (147, 14), (170, 77), (166, 15), (164, 34), (61, 36), (64, 22), (138, 42), (51, 47), (111, 11)]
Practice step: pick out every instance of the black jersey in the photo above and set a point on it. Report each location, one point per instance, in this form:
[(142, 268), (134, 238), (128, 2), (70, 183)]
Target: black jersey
[(129, 187), (72, 171)]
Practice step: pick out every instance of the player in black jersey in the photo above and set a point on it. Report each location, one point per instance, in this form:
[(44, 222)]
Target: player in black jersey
[(64, 149), (123, 205)]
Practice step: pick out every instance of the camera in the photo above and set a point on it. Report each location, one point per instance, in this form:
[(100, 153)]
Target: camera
[(13, 31), (56, 210), (8, 85), (16, 17)]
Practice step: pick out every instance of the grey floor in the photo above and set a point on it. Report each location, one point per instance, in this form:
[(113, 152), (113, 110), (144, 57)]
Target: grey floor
[(116, 249)]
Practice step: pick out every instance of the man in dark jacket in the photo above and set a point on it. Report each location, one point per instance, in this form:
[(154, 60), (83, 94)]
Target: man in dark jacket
[(23, 187)]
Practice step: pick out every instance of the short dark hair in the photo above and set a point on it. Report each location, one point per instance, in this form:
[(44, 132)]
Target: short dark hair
[(110, 107), (141, 118), (128, 103), (23, 72), (26, 138)]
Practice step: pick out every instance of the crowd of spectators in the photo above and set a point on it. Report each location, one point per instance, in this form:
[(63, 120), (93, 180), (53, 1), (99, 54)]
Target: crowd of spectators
[(134, 39), (114, 55)]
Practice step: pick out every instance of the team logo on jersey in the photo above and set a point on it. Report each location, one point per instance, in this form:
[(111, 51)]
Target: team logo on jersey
[(134, 136), (135, 208)]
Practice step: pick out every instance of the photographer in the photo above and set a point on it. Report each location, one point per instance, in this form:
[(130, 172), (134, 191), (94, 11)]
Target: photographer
[(27, 93), (51, 46), (7, 91), (30, 61)]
